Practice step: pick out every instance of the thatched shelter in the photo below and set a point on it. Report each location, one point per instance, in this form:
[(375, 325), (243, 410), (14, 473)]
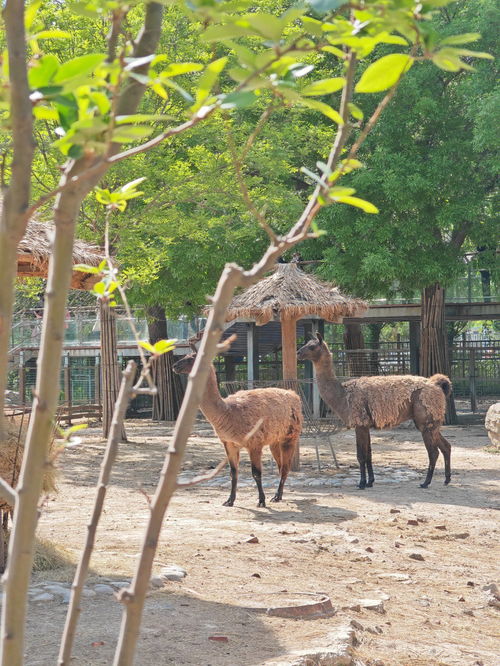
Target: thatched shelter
[(288, 295), (34, 251)]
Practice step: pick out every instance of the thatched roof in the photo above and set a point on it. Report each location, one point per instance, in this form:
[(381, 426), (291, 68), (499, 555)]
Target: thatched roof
[(34, 251), (291, 292)]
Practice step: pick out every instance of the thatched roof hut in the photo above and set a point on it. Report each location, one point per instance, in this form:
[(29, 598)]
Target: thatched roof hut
[(287, 295), (34, 251), (291, 293)]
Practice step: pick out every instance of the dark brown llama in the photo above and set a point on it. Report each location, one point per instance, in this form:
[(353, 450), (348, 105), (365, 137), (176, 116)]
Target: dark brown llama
[(383, 402), (251, 420)]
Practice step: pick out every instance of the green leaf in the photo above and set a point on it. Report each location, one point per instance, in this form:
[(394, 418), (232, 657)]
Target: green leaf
[(384, 73), (45, 69), (325, 109), (85, 268), (465, 38), (268, 25), (78, 67), (355, 111), (225, 31), (359, 203), (99, 288), (128, 133), (52, 34), (178, 68), (44, 113), (238, 100), (208, 79), (313, 176), (141, 118), (333, 49), (164, 346), (132, 185), (324, 86)]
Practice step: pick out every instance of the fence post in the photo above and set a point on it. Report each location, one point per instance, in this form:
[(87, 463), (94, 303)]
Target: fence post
[(97, 385), (67, 386), (472, 379), (22, 378)]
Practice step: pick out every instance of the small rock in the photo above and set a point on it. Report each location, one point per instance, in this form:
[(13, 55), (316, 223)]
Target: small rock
[(120, 583), (470, 583), (417, 556), (44, 596), (375, 630), (468, 612), (461, 598), (352, 539), (87, 592), (376, 605), (173, 572), (220, 639), (357, 625), (491, 587), (362, 558), (256, 575), (461, 535), (156, 581), (412, 521), (101, 588), (494, 601), (394, 511), (252, 539), (369, 549), (439, 527), (394, 576)]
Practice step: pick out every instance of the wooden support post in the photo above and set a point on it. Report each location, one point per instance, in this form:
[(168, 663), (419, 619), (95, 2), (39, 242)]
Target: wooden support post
[(67, 386), (289, 360), (472, 379), (22, 378), (414, 347), (308, 366), (97, 385), (252, 353)]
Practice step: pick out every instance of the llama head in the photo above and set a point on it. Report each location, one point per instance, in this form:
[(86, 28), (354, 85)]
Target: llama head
[(184, 365), (313, 350)]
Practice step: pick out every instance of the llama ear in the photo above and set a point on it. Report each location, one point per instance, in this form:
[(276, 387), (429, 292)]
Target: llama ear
[(319, 336)]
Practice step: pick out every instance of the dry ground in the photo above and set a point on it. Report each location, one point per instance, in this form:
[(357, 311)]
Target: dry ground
[(321, 538)]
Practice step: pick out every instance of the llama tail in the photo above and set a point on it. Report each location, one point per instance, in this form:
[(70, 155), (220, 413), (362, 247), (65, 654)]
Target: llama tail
[(443, 382)]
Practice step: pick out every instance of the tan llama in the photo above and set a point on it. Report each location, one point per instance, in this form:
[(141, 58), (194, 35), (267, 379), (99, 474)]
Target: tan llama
[(383, 402), (251, 420)]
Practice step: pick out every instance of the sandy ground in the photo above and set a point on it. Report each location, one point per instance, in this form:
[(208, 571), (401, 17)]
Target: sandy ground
[(330, 538)]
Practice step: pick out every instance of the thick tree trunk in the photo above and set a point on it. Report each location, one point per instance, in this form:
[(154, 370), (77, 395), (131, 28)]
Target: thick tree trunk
[(109, 366), (434, 340), (167, 402), (354, 343)]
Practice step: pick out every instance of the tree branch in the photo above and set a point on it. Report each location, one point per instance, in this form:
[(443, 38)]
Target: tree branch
[(110, 453)]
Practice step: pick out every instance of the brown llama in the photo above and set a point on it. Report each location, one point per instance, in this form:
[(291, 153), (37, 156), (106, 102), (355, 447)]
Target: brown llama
[(383, 402), (251, 420)]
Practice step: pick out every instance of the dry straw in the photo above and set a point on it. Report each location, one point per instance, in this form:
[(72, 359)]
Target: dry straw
[(289, 292)]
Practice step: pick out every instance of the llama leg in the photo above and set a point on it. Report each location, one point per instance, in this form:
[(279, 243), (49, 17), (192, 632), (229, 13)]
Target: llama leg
[(256, 460), (431, 439), (233, 455), (445, 448), (285, 452), (364, 454)]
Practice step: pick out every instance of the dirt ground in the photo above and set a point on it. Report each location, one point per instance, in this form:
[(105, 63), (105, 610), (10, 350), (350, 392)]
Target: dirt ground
[(326, 536)]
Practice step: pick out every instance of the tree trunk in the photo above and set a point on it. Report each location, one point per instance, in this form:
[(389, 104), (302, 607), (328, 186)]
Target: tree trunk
[(434, 340), (354, 342), (109, 366), (167, 402), (374, 331)]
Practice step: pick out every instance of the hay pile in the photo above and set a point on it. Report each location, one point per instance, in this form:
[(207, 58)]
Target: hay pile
[(11, 456)]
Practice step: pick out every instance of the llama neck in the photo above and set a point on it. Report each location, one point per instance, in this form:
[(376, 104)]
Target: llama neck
[(212, 404), (331, 389)]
